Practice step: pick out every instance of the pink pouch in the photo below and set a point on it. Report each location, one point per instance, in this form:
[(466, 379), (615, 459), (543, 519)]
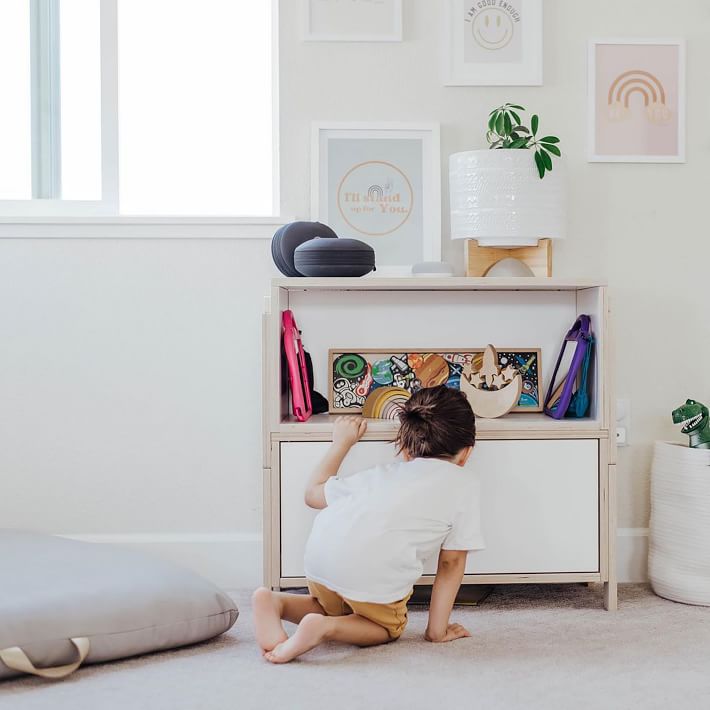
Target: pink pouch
[(297, 373)]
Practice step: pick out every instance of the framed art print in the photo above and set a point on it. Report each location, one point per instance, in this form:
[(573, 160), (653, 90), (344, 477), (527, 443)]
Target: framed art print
[(381, 184), (352, 20), (636, 101), (354, 375), (494, 43)]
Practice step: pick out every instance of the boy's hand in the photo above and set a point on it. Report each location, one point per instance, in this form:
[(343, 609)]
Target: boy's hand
[(348, 430), (453, 632)]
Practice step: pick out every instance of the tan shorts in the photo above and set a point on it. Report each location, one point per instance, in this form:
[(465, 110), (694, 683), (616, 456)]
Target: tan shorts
[(391, 617)]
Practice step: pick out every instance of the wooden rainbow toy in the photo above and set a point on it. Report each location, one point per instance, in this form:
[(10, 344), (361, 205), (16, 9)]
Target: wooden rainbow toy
[(385, 403)]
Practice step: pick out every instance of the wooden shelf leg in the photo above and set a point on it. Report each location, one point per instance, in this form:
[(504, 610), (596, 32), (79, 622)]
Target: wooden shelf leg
[(610, 596), (610, 586)]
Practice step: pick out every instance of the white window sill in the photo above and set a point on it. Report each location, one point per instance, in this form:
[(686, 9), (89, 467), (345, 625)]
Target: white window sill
[(140, 227)]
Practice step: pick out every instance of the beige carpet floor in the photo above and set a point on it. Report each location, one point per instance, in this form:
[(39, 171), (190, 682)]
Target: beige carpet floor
[(550, 647)]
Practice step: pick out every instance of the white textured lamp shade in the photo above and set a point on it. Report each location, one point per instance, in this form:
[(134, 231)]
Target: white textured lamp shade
[(498, 198)]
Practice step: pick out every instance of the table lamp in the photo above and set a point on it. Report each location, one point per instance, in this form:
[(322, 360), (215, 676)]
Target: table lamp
[(507, 214)]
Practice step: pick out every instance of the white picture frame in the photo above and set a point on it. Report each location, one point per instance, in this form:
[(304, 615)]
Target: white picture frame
[(380, 183), (494, 43), (660, 78), (352, 20)]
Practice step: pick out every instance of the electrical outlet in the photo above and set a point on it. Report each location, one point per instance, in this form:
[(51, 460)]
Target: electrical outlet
[(623, 421)]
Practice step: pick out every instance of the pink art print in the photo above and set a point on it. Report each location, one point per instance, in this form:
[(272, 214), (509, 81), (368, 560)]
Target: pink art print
[(637, 100)]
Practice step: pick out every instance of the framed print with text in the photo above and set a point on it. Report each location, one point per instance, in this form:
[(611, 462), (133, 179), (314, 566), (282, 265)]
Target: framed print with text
[(494, 43), (636, 101), (380, 183), (352, 20)]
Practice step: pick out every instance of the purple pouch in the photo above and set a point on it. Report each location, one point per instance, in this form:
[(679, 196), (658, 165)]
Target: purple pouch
[(581, 334)]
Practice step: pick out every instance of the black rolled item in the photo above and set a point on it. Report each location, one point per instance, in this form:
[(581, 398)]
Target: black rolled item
[(289, 237), (334, 257)]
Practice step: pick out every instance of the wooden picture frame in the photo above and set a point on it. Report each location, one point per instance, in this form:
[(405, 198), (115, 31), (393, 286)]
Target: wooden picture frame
[(338, 394)]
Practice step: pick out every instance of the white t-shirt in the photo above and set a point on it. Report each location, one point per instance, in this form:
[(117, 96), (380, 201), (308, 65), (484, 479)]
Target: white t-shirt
[(380, 525)]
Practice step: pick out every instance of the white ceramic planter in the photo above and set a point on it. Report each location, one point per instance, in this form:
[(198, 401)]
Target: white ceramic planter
[(679, 535), (498, 198)]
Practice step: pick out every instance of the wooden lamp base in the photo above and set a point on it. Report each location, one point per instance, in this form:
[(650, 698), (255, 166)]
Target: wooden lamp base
[(480, 259)]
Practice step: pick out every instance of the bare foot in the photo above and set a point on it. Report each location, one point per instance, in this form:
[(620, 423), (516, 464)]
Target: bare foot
[(269, 630), (310, 632)]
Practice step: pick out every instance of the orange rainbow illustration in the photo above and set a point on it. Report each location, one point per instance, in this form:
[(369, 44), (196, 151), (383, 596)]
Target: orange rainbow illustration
[(641, 82)]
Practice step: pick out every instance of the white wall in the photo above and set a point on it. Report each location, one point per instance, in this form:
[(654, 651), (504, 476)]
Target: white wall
[(130, 394), (640, 226), (129, 369)]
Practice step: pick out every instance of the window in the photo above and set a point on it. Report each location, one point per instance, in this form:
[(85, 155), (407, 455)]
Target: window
[(136, 107), (15, 117)]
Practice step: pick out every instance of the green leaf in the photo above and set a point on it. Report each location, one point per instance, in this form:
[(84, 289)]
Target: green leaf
[(552, 148), (521, 129), (546, 159), (500, 124), (492, 121), (550, 139), (519, 143), (520, 108), (540, 164), (534, 123), (516, 117), (507, 124)]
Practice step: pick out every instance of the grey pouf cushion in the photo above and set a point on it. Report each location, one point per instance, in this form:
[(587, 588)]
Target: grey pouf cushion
[(61, 600)]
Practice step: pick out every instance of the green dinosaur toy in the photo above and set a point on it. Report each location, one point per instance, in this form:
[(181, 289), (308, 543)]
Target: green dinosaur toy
[(695, 418)]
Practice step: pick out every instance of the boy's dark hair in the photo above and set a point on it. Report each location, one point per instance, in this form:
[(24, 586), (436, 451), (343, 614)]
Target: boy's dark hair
[(436, 422)]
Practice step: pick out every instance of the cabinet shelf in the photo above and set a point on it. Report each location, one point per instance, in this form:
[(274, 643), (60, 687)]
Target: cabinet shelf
[(514, 425), (449, 283)]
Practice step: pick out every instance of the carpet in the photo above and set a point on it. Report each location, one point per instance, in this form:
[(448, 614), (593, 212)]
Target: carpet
[(550, 647)]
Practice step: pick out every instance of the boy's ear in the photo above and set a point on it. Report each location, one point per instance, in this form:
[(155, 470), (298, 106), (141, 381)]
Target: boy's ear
[(463, 456)]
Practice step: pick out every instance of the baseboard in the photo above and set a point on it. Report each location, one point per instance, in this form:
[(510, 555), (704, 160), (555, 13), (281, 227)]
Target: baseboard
[(632, 554), (231, 560)]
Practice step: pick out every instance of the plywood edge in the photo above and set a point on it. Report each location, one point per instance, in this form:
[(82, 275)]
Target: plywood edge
[(273, 571), (453, 283), (610, 584), (326, 433), (267, 532), (532, 578)]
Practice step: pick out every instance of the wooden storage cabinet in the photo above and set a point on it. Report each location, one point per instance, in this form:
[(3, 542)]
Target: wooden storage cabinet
[(548, 486), (540, 512)]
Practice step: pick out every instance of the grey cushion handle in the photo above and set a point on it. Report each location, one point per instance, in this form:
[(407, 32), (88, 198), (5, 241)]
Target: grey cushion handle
[(15, 658)]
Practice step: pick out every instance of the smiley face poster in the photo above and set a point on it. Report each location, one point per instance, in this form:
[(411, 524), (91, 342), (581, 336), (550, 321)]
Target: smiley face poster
[(493, 31), (495, 42)]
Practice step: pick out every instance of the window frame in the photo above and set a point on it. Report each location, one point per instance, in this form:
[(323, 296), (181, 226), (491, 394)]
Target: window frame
[(102, 217)]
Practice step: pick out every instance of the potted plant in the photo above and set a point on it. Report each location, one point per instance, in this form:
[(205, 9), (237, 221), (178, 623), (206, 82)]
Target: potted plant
[(498, 195), (506, 131)]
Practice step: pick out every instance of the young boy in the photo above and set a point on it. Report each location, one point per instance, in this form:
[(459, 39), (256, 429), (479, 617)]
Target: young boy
[(375, 529)]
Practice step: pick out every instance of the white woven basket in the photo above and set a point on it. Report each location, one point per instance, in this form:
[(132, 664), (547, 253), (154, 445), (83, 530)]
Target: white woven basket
[(679, 542)]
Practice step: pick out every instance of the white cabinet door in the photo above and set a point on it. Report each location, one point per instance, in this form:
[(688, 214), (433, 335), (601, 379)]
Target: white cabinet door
[(297, 461), (540, 503)]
